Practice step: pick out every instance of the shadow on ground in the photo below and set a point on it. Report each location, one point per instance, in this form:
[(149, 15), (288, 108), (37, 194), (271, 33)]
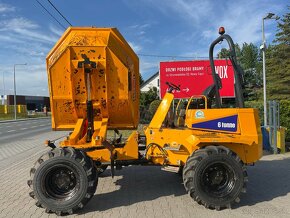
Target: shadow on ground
[(137, 184), (267, 181)]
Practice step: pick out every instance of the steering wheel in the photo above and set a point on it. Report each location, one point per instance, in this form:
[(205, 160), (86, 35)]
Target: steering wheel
[(172, 87)]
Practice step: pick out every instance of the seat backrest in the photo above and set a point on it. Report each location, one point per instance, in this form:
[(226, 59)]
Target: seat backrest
[(209, 92)]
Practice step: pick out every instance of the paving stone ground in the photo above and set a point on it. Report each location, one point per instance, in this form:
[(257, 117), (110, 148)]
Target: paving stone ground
[(142, 191)]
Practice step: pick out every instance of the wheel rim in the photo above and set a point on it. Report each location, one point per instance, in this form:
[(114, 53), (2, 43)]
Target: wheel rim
[(61, 182), (218, 180)]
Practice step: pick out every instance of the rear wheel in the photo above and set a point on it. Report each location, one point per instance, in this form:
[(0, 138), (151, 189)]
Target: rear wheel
[(214, 177), (63, 180)]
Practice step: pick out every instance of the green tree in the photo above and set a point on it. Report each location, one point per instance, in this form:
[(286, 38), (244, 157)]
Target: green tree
[(225, 53), (251, 64), (153, 106), (278, 62), (147, 97)]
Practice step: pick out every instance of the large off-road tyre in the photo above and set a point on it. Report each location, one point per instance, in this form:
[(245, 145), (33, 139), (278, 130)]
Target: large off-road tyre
[(214, 176), (63, 180)]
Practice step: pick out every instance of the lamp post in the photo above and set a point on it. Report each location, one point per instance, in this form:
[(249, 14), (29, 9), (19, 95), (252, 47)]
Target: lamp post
[(263, 48), (3, 85), (15, 112), (3, 99)]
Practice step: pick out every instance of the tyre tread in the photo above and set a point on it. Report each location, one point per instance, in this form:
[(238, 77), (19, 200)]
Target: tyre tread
[(189, 173), (83, 160)]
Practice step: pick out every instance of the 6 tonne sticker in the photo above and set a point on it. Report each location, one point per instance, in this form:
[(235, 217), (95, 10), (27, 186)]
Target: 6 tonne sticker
[(225, 124)]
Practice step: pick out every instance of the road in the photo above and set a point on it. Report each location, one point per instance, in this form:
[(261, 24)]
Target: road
[(137, 191), (21, 139), (13, 131)]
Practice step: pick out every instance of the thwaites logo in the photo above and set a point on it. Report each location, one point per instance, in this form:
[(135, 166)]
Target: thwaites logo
[(229, 123), (199, 114)]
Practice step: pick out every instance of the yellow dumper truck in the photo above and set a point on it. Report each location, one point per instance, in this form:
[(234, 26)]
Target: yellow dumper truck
[(93, 77)]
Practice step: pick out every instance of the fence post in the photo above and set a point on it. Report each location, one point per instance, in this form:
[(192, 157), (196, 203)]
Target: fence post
[(270, 123), (275, 126)]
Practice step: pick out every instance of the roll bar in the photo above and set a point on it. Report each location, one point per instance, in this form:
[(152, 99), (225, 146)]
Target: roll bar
[(238, 72)]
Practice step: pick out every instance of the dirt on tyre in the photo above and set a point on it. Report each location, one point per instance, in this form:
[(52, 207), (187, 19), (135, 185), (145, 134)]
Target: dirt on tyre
[(215, 177), (63, 180)]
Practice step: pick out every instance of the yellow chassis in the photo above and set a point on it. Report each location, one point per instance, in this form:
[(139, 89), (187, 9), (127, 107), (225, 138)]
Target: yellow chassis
[(172, 146)]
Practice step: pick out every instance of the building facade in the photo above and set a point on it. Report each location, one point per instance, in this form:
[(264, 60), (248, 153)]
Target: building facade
[(153, 81), (33, 103)]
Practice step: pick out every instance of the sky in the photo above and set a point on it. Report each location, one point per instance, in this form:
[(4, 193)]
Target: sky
[(157, 30)]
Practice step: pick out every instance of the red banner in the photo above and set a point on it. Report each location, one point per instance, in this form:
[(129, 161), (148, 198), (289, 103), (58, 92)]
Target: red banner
[(195, 76)]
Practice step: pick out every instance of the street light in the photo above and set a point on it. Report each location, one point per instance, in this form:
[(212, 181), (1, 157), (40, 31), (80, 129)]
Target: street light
[(15, 112), (3, 85), (3, 99), (263, 48)]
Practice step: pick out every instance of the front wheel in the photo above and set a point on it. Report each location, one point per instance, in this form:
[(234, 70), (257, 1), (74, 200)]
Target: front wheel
[(63, 180), (214, 176)]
